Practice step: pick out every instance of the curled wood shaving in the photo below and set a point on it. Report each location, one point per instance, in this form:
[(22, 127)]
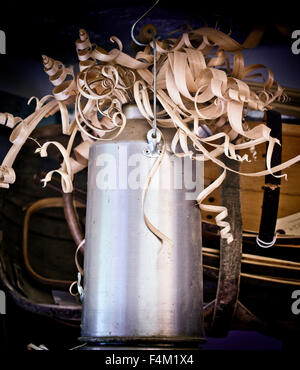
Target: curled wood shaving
[(59, 77), (7, 119), (66, 175), (18, 137), (202, 81)]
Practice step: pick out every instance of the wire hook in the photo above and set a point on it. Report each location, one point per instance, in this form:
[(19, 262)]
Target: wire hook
[(153, 138), (133, 27)]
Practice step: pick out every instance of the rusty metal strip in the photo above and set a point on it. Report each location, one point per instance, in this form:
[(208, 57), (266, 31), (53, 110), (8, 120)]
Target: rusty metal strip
[(230, 256)]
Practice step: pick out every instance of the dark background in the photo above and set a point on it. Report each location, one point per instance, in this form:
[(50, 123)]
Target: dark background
[(51, 28)]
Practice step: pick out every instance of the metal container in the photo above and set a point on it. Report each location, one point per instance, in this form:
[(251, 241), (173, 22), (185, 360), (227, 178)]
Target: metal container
[(136, 289)]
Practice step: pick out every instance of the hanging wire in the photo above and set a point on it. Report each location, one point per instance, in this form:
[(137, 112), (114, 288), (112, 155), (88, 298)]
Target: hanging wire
[(133, 27), (154, 123)]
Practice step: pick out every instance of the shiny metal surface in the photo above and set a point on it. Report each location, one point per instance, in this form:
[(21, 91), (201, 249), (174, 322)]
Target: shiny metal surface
[(135, 287)]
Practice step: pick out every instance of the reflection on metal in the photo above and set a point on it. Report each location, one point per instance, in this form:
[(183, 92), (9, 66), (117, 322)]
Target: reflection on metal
[(137, 289)]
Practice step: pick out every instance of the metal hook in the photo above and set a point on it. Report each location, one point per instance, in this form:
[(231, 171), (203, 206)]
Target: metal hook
[(154, 148), (133, 27)]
